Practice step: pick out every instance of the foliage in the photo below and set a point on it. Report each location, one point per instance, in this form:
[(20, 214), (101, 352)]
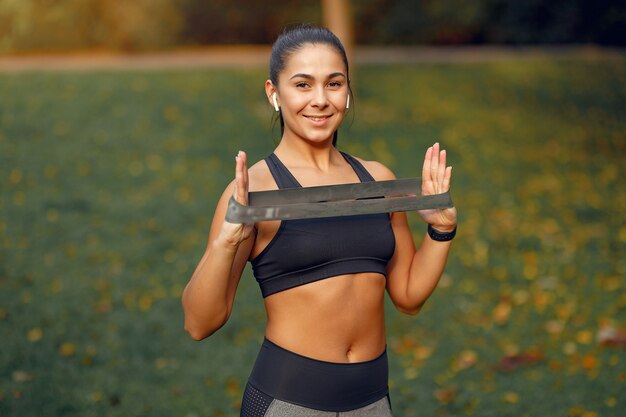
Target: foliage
[(154, 24), (107, 182), (78, 24), (490, 21)]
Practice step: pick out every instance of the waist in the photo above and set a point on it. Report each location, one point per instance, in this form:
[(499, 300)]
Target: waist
[(328, 319), (320, 385)]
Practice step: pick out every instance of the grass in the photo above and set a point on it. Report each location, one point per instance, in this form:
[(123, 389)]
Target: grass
[(107, 185)]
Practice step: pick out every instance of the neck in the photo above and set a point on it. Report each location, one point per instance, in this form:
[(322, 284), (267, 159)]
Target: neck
[(298, 152)]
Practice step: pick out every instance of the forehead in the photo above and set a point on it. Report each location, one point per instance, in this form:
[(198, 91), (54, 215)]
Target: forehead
[(314, 59)]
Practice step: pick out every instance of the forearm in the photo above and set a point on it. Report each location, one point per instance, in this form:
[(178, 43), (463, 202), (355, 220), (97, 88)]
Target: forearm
[(206, 297), (427, 266)]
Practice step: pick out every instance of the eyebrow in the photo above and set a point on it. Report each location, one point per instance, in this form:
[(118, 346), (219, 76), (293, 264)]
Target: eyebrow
[(310, 77)]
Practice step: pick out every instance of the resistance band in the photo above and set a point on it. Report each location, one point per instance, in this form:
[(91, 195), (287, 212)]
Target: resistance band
[(336, 200)]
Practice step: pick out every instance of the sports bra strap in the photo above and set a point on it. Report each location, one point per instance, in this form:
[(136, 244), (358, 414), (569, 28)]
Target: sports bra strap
[(282, 176), (358, 167), (285, 179)]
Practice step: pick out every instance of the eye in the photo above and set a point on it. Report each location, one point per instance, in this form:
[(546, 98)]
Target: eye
[(335, 84), (302, 84)]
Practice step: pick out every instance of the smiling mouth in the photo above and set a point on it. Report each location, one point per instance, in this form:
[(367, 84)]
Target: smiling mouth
[(317, 118)]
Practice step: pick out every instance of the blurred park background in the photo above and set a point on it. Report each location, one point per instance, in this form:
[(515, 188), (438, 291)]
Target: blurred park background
[(108, 179), (42, 25)]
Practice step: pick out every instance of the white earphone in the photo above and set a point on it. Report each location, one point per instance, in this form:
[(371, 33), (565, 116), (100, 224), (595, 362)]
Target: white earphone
[(275, 102), (348, 102)]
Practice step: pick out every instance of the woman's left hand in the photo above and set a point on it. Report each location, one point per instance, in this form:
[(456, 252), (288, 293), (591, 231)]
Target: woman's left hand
[(436, 180)]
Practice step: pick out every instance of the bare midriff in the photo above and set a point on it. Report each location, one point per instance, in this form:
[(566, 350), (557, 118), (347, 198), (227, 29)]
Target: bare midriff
[(338, 319)]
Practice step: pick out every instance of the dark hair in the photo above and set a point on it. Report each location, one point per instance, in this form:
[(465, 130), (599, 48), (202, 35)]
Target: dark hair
[(294, 38)]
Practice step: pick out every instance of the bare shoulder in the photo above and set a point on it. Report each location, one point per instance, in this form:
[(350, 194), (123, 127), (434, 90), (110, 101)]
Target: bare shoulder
[(378, 170), (260, 178)]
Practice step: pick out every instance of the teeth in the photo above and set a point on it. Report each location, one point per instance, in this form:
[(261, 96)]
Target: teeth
[(317, 119)]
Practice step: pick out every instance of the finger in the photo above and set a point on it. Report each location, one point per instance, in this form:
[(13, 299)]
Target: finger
[(426, 185), (241, 185), (244, 176), (434, 163), (446, 179), (426, 166), (244, 166), (441, 171)]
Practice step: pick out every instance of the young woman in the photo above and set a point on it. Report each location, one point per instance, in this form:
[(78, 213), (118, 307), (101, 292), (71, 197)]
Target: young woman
[(323, 280)]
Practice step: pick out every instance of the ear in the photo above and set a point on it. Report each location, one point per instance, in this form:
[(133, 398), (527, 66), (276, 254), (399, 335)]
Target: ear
[(270, 89)]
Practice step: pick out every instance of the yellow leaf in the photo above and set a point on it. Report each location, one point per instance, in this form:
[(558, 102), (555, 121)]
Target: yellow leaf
[(530, 265), (22, 376), (467, 359), (423, 352), (96, 396), (589, 362), (501, 312), (232, 387), (35, 334), (145, 302), (511, 397), (67, 349), (445, 395), (15, 176), (584, 337), (554, 327)]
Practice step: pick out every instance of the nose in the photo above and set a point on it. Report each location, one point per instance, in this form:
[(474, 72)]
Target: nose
[(319, 97)]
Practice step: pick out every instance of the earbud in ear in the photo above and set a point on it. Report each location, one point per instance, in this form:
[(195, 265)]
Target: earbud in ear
[(275, 102), (348, 102)]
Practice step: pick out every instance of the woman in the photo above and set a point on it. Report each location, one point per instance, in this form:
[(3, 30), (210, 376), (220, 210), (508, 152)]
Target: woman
[(323, 280)]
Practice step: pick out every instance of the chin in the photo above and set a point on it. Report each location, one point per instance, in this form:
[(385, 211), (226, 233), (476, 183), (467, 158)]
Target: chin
[(319, 139)]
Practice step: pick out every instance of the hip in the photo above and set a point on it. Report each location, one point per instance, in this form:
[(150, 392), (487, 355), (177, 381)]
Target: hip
[(301, 381)]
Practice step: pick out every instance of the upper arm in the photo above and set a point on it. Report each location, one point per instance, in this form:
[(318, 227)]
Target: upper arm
[(399, 266)]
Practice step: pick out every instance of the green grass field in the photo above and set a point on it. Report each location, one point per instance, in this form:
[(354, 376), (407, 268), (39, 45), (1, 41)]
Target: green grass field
[(107, 186)]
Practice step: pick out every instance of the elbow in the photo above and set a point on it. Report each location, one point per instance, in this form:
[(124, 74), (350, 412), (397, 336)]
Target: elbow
[(199, 331), (411, 310), (197, 334)]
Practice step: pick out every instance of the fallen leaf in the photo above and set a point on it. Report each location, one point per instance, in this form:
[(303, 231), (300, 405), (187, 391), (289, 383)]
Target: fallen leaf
[(35, 334), (67, 349), (501, 312), (584, 337), (512, 362), (589, 362), (467, 359), (445, 395), (511, 397), (22, 376), (609, 335)]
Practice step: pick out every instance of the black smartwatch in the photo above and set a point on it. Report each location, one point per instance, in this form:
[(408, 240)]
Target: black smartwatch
[(440, 236)]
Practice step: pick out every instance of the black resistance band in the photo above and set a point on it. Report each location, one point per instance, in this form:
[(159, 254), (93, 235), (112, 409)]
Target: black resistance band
[(336, 200)]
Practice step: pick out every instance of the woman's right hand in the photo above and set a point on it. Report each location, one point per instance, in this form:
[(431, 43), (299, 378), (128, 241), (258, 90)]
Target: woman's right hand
[(234, 233)]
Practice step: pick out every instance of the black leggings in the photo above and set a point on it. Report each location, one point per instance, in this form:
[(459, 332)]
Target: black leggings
[(284, 383)]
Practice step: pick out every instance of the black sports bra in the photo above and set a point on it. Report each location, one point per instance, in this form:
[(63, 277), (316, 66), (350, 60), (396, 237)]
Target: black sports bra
[(308, 250)]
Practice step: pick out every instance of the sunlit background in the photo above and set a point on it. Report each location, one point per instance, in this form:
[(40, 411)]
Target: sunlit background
[(110, 170)]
